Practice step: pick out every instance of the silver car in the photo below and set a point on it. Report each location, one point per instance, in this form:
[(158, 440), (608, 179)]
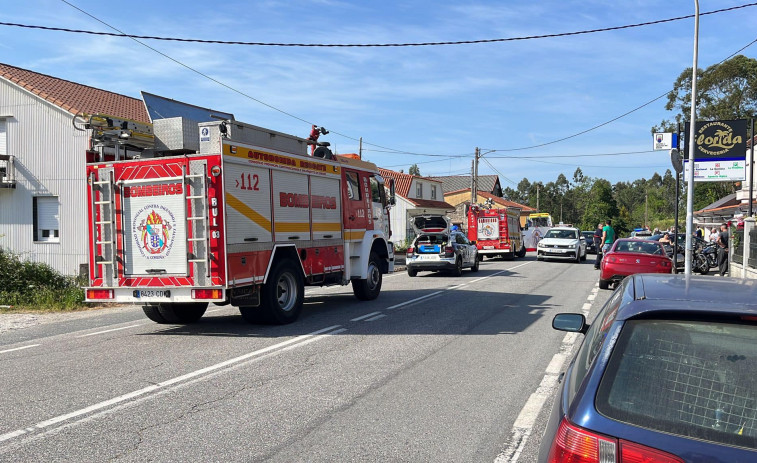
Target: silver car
[(564, 243), (438, 247)]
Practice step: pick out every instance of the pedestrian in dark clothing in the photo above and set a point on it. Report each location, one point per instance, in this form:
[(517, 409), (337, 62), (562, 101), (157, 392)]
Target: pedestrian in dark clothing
[(597, 238), (723, 250)]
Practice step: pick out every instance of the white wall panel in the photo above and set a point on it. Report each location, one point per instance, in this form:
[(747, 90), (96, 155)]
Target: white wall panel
[(49, 162)]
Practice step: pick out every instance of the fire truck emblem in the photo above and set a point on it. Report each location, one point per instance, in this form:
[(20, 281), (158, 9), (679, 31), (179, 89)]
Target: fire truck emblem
[(488, 230), (154, 232)]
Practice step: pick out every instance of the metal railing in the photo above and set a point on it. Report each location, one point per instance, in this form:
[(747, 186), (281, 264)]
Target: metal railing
[(7, 171)]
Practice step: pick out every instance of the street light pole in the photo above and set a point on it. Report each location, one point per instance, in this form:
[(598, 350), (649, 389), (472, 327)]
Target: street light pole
[(692, 131)]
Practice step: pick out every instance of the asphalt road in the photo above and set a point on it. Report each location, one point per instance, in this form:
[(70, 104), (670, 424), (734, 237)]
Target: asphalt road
[(436, 369)]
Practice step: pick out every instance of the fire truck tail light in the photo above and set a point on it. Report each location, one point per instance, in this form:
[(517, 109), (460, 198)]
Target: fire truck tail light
[(99, 294), (215, 171), (206, 294)]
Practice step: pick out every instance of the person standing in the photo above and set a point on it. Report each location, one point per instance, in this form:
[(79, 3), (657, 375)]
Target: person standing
[(608, 236), (723, 250), (597, 238)]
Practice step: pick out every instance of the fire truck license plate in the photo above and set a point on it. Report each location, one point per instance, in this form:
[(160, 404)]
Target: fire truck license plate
[(151, 293), (488, 247)]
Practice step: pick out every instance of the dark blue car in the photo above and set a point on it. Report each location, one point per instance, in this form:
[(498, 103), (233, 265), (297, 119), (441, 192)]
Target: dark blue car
[(667, 372)]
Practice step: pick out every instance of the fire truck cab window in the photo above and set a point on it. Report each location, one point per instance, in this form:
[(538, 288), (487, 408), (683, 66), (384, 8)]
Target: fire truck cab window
[(376, 191), (353, 186)]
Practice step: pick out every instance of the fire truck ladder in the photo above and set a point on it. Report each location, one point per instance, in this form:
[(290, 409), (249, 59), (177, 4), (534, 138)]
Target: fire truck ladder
[(104, 220), (197, 195)]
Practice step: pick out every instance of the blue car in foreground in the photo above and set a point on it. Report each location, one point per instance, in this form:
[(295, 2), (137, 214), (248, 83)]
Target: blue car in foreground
[(667, 372)]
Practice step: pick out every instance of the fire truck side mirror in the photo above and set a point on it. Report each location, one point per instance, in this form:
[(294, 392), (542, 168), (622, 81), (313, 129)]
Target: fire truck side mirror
[(392, 197)]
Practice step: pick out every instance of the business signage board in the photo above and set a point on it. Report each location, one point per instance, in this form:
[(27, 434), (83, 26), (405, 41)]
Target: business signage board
[(664, 141), (717, 171), (718, 140)]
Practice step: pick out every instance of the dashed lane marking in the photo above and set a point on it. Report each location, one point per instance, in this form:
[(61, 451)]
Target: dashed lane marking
[(19, 348)]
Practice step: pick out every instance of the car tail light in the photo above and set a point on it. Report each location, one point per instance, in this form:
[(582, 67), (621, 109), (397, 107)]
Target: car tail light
[(410, 251), (631, 452), (612, 259), (99, 294), (449, 251), (577, 445), (206, 293)]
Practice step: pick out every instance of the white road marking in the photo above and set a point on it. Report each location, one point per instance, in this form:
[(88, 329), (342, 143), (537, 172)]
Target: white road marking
[(402, 304), (285, 345), (526, 419), (19, 348), (364, 316), (110, 330), (376, 317)]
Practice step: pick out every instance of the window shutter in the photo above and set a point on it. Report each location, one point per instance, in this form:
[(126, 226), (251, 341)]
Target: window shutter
[(35, 222), (47, 213)]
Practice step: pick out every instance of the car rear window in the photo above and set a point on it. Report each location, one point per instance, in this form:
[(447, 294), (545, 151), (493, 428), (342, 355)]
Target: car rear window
[(689, 378)]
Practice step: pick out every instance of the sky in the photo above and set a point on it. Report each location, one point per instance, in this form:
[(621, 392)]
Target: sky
[(425, 105)]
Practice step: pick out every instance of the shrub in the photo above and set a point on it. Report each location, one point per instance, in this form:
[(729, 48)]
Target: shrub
[(34, 285)]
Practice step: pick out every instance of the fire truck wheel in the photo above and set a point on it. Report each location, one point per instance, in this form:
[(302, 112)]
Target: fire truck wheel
[(282, 296), (153, 313), (369, 289), (180, 313), (475, 265), (521, 252)]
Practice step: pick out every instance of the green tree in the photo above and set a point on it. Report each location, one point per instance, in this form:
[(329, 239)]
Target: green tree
[(725, 91), (600, 205), (414, 170)]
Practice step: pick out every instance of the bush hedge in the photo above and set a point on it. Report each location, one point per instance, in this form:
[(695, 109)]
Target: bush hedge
[(33, 285)]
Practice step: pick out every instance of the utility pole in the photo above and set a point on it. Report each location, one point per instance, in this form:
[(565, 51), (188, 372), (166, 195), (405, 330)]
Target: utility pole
[(537, 197), (474, 178), (360, 153)]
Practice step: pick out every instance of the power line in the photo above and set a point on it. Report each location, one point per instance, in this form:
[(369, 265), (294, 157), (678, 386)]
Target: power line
[(367, 45), (618, 117)]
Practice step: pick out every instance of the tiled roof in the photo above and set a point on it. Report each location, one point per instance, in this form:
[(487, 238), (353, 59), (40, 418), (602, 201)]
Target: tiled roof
[(506, 202), (461, 182), (402, 181), (431, 203), (501, 201), (75, 98)]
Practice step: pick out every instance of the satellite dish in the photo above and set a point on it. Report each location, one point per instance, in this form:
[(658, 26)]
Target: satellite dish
[(675, 159)]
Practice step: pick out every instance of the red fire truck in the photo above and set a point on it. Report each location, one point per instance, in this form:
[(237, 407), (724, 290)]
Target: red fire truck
[(182, 214), (496, 231)]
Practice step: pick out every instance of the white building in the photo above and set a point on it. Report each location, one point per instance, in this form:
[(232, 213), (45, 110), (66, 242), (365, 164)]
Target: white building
[(415, 196), (43, 206)]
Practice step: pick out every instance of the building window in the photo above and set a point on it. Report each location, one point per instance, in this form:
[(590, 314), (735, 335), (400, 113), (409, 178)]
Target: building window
[(46, 224), (419, 190), (433, 191)]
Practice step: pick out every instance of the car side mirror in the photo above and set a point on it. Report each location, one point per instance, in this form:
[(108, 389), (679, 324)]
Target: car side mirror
[(473, 242), (570, 322)]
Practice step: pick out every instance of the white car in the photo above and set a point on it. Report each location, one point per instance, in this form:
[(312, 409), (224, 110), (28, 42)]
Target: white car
[(564, 243)]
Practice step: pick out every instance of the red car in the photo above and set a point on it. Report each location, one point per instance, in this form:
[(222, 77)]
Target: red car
[(629, 256)]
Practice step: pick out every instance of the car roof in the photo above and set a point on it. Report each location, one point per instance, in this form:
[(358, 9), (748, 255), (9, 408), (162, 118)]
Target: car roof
[(563, 228), (693, 295)]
